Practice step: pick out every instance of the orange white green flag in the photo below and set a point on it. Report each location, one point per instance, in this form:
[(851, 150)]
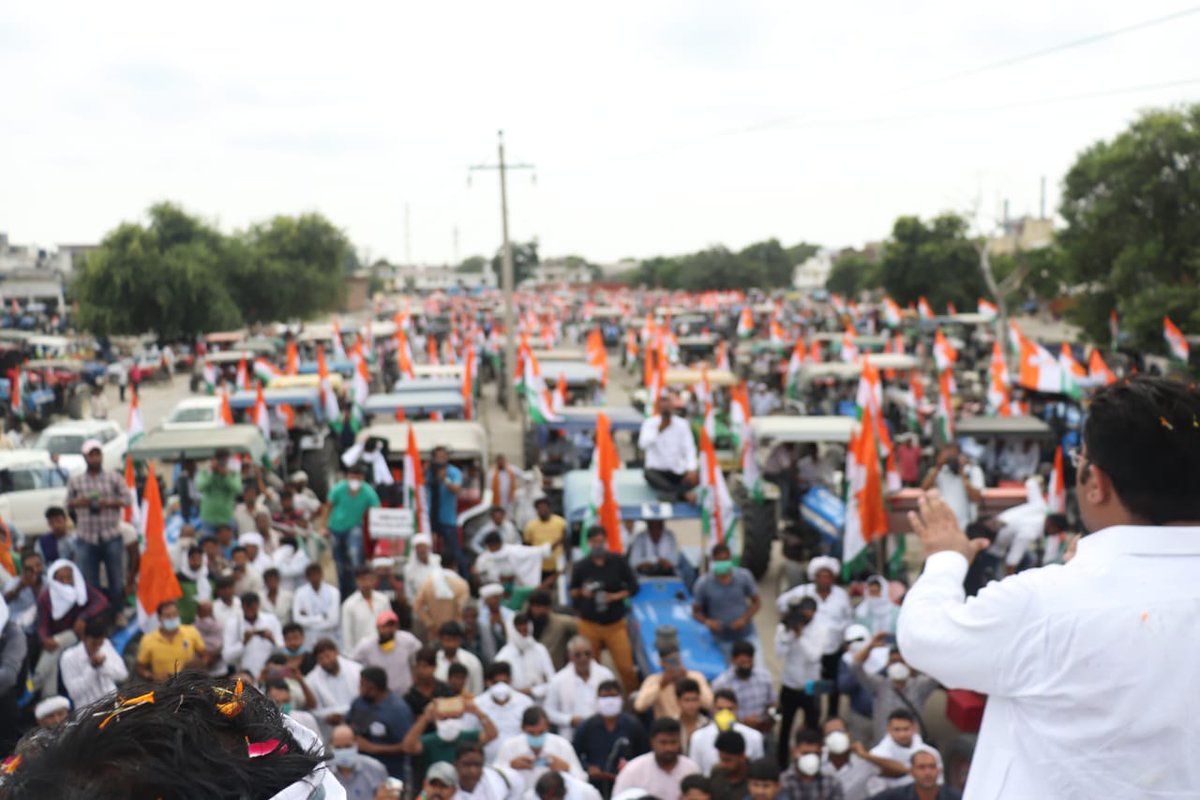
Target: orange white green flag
[(1177, 344), (156, 580)]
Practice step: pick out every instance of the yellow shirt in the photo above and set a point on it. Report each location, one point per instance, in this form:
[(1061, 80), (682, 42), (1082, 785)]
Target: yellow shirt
[(548, 532), (168, 656)]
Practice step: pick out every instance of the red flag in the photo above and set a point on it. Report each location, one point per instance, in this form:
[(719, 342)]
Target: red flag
[(608, 461), (156, 576)]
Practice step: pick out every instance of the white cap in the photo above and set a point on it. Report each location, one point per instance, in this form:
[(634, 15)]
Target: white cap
[(422, 538), (383, 561), (299, 476), (491, 590), (50, 706), (823, 562), (251, 537), (90, 445)]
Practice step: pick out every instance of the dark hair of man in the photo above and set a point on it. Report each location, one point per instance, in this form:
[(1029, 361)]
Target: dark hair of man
[(466, 749), (179, 745), (292, 626), (807, 736), (224, 581), (376, 677), (664, 725), (724, 694), (278, 683), (551, 784), (695, 781), (95, 628), (498, 669), (902, 713), (605, 686), (763, 769), (250, 599), (520, 618), (540, 597), (426, 655), (743, 648), (164, 605), (273, 572), (731, 742), (324, 645), (456, 669), (686, 686), (532, 716), (1144, 433), (721, 551)]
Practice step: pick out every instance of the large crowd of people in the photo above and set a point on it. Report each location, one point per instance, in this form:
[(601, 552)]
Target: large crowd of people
[(499, 665)]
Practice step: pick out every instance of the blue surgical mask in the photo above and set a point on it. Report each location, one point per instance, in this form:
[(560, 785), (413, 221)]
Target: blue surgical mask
[(536, 740), (285, 708), (170, 624), (345, 756)]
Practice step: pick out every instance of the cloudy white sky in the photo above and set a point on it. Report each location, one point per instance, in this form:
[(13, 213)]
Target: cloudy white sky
[(655, 127)]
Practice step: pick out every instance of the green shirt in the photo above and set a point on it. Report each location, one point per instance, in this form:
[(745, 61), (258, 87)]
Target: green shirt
[(434, 748), (218, 496), (346, 509)]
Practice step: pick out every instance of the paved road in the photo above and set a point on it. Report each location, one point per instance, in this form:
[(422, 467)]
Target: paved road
[(156, 401)]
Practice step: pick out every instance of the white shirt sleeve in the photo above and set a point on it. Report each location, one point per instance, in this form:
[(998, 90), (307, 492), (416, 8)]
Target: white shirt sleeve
[(960, 643)]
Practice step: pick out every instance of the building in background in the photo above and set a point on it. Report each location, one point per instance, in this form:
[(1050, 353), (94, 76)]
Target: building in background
[(1022, 234)]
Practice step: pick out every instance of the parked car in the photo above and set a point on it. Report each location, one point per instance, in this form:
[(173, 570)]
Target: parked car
[(30, 482), (194, 413), (65, 439)]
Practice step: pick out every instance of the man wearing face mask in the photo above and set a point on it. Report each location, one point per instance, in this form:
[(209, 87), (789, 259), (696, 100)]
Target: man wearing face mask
[(609, 737), (833, 611), (897, 688), (359, 774), (532, 669), (536, 750), (391, 649), (170, 648), (504, 704), (726, 600), (660, 771), (851, 763), (806, 779), (446, 716), (281, 694), (344, 511)]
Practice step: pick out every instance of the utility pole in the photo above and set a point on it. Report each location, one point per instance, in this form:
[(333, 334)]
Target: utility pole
[(506, 277)]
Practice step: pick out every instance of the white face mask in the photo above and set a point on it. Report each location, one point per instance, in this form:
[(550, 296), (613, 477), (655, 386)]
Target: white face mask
[(608, 706), (809, 764), (345, 756), (838, 742), (898, 671), (449, 729), (354, 484), (500, 693)]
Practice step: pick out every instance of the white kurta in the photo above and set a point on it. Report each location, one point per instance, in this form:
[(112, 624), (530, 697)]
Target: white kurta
[(1090, 667)]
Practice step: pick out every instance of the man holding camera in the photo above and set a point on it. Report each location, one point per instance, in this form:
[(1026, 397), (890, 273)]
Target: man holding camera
[(97, 496), (799, 645), (958, 481)]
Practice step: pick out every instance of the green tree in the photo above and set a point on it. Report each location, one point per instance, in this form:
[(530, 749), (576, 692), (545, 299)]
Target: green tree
[(293, 268), (525, 258), (168, 277), (934, 260), (472, 264), (1132, 236), (772, 261), (849, 274)]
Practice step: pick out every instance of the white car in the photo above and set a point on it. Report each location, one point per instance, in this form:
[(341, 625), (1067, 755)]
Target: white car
[(65, 439), (29, 484), (195, 413)]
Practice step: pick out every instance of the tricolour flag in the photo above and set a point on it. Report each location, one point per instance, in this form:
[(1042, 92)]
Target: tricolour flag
[(945, 407), (262, 414), (558, 400), (16, 391), (1098, 371), (603, 509), (597, 354), (891, 312), (1072, 371), (291, 362), (988, 308), (468, 383), (777, 335), (923, 308), (717, 513), (328, 399), (361, 381), (414, 485), (795, 364), (133, 425), (944, 354), (998, 398), (156, 581), (537, 396), (1056, 500), (209, 375), (1039, 371), (745, 326), (1114, 329), (265, 371), (849, 346), (242, 379), (226, 411), (404, 356), (866, 518), (132, 513), (1176, 343), (339, 346)]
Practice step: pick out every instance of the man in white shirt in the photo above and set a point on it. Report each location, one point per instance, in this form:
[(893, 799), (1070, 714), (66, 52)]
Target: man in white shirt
[(251, 638), (92, 668), (535, 750), (654, 551), (958, 481), (799, 644), (898, 744), (391, 649), (419, 565), (495, 621), (849, 762), (833, 612), (669, 450), (571, 696), (361, 609), (504, 704), (497, 521), (528, 658), (702, 748), (479, 780), (315, 607), (334, 681), (1089, 667), (450, 636), (658, 772)]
